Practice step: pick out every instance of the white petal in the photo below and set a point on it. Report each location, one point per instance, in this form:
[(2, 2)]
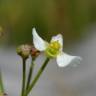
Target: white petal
[(38, 42), (64, 59), (58, 38)]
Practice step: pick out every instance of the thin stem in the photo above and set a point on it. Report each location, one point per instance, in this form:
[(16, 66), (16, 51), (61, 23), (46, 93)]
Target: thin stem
[(23, 76), (30, 73), (37, 77), (1, 84)]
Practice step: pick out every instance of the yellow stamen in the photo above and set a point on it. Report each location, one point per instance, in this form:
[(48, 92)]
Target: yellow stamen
[(53, 49), (55, 45)]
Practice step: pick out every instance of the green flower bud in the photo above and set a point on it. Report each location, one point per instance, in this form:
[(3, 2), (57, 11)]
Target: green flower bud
[(24, 51)]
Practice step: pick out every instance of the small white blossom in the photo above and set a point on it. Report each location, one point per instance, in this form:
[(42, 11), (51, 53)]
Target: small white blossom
[(54, 49)]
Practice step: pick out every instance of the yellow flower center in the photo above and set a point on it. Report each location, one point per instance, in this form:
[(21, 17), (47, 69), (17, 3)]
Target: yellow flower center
[(53, 49)]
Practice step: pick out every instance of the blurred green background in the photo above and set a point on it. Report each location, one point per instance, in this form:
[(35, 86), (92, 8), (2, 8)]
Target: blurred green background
[(50, 17)]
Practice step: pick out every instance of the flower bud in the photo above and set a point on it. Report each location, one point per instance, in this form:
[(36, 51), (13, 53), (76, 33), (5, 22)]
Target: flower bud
[(24, 51), (34, 52)]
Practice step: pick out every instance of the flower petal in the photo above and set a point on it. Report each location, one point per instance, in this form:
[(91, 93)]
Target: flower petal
[(58, 38), (38, 42), (64, 59)]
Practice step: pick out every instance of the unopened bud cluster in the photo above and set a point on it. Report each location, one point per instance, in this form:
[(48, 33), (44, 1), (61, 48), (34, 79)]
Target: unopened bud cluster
[(25, 50)]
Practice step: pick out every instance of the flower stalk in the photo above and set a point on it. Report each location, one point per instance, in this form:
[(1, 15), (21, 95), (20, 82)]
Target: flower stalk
[(30, 73), (37, 77), (34, 53), (23, 76)]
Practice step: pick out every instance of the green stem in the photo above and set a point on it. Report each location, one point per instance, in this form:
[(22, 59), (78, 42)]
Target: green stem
[(30, 73), (23, 76), (37, 77), (1, 84)]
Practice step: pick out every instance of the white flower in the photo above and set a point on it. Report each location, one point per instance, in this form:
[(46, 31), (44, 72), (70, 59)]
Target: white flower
[(54, 49)]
